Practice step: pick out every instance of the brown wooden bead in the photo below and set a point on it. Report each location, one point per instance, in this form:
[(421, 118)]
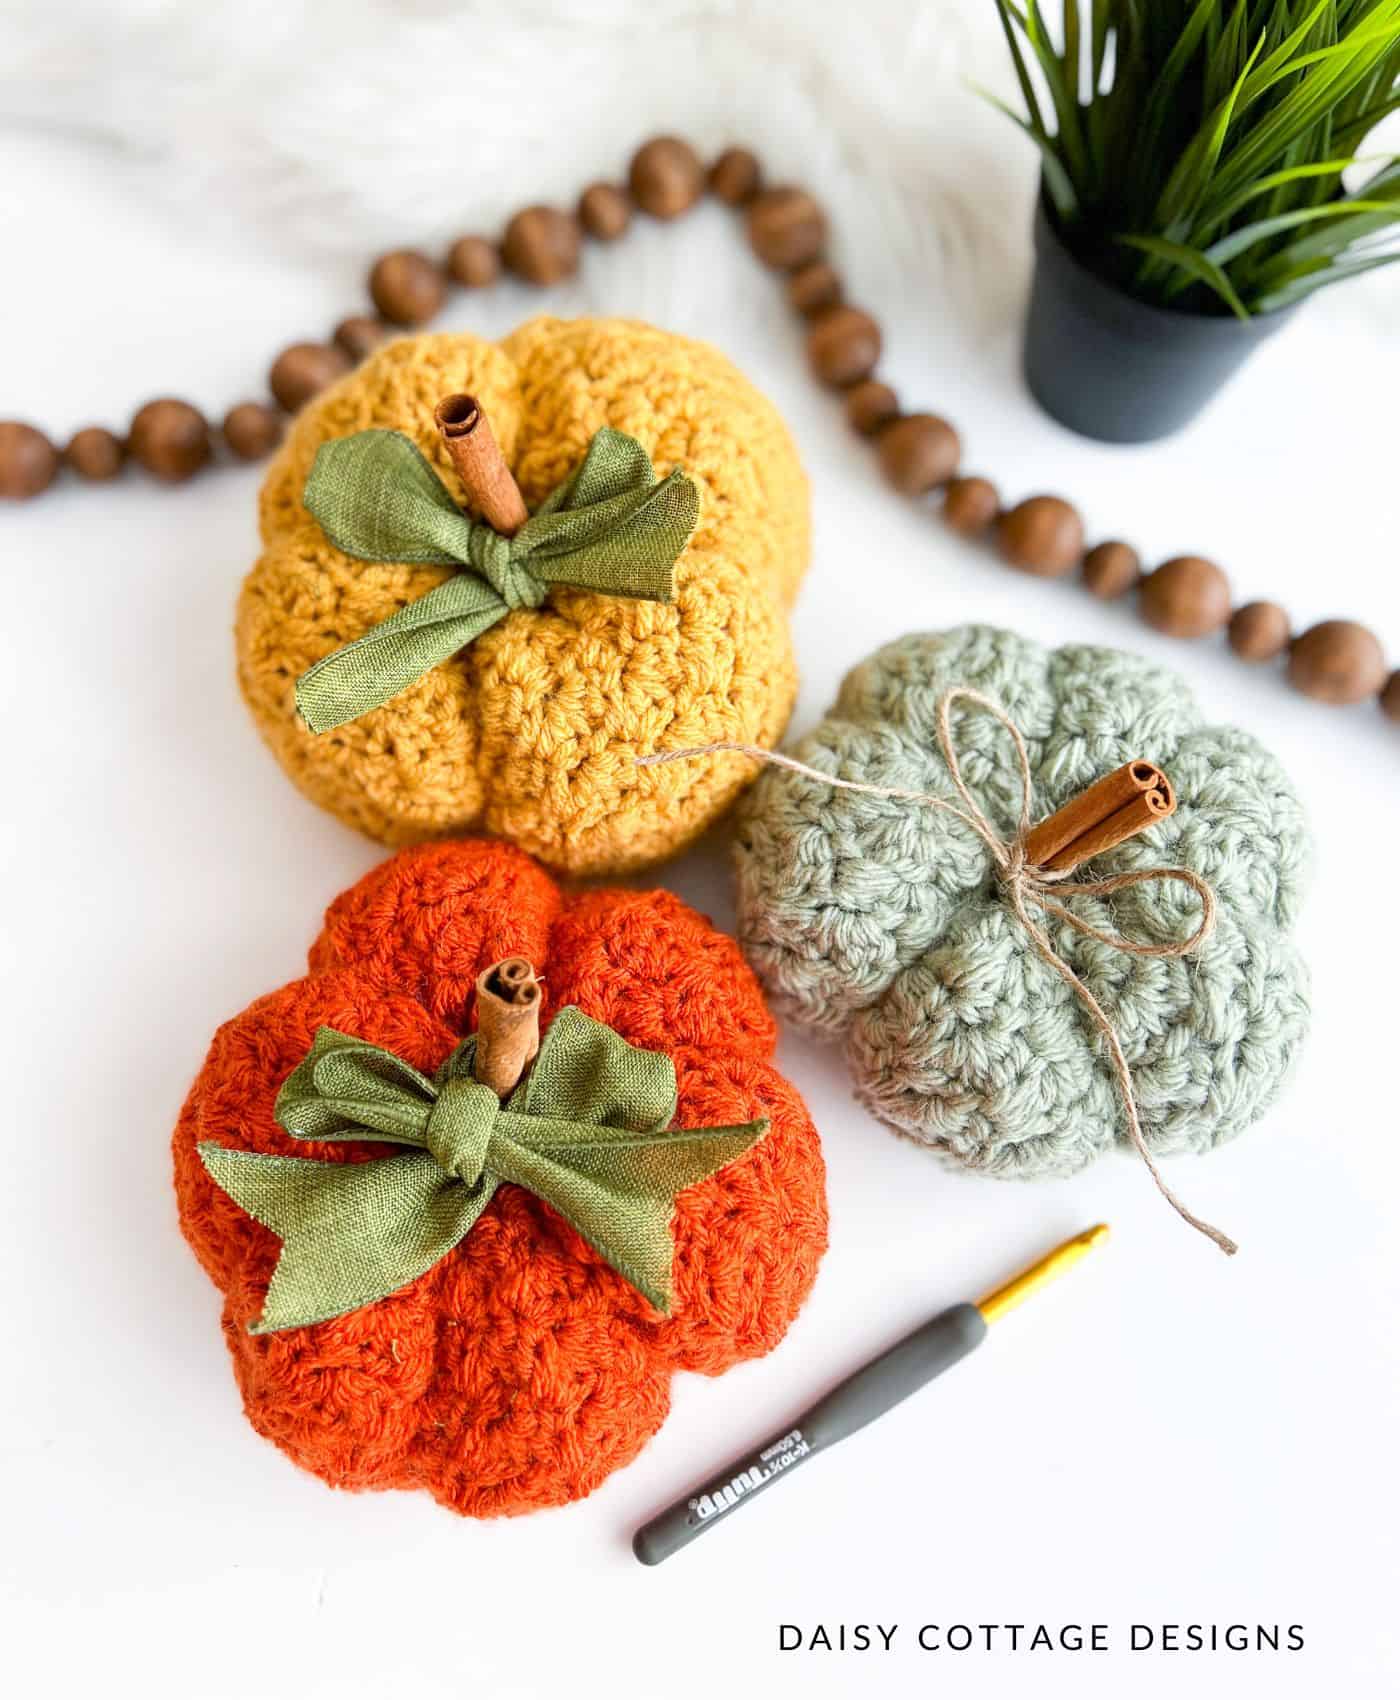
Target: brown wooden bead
[(95, 454), (918, 453), (734, 177), (1042, 535), (813, 288), (304, 370), (541, 244), (252, 430), (358, 335), (843, 346), (1112, 569), (406, 287), (666, 177), (869, 406), (786, 228), (28, 461), (474, 262), (971, 505), (1259, 631), (170, 439), (604, 211), (1337, 661), (1390, 697), (1186, 597)]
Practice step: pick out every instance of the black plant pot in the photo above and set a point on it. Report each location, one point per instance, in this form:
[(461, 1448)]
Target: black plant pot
[(1110, 366)]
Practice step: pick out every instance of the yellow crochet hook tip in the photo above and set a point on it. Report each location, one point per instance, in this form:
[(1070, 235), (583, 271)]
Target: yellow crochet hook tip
[(1019, 1287)]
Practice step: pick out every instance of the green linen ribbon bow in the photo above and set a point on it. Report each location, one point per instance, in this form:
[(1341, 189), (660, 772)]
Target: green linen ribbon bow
[(609, 527), (586, 1130)]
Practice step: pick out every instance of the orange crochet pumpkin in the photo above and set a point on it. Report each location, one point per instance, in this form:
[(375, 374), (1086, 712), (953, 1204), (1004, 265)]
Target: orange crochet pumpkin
[(521, 1369)]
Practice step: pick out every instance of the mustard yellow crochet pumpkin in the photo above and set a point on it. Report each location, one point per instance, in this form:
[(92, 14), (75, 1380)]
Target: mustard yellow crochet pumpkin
[(532, 731)]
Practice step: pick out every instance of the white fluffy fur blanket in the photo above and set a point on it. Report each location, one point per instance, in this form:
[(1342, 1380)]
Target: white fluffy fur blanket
[(349, 125)]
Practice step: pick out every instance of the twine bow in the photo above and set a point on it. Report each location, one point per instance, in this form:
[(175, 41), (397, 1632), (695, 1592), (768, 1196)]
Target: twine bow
[(587, 1130), (1029, 887), (610, 527)]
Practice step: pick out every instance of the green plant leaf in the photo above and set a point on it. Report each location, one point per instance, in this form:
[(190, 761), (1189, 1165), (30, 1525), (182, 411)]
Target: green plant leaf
[(1281, 60), (1335, 71), (1069, 56), (1066, 105), (1164, 89), (1100, 18), (1057, 179), (1284, 179), (1213, 133), (1325, 274), (1189, 182), (1035, 120), (1247, 236), (1193, 261)]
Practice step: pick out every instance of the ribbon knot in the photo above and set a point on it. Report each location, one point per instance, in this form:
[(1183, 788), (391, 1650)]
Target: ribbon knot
[(611, 527), (458, 1131), (495, 559)]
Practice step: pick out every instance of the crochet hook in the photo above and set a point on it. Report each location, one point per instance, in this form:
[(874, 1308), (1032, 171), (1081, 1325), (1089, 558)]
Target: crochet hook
[(874, 1389)]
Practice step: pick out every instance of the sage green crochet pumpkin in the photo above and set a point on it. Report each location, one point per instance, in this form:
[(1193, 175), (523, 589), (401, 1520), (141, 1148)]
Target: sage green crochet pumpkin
[(881, 921)]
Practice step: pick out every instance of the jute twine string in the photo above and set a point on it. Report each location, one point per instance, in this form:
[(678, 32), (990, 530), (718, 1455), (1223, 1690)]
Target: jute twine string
[(1027, 887)]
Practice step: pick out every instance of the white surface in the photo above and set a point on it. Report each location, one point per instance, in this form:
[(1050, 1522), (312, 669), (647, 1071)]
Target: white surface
[(1167, 1437)]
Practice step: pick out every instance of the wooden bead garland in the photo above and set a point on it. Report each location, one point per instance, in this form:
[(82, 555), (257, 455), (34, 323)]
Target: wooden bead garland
[(1112, 569), (541, 245), (971, 505), (406, 287), (304, 370), (604, 211), (734, 177), (843, 346), (474, 262), (1187, 597), (358, 335), (28, 461), (1042, 535), (870, 405), (252, 430), (813, 288), (1336, 661), (667, 177), (786, 228), (918, 453), (170, 439), (1258, 631), (95, 454)]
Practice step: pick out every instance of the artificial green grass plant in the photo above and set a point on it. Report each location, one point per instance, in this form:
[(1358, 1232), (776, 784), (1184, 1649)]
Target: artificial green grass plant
[(1193, 150)]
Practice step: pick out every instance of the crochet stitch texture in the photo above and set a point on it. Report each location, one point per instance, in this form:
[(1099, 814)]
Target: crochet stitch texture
[(880, 920), (531, 732), (520, 1370)]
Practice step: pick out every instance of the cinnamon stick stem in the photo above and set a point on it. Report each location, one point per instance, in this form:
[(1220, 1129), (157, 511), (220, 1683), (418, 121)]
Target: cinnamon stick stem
[(1102, 799), (1136, 816), (490, 486), (507, 1024)]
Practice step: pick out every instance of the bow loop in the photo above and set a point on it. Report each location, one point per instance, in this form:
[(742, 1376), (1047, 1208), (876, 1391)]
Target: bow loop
[(458, 1132), (346, 1089), (611, 528)]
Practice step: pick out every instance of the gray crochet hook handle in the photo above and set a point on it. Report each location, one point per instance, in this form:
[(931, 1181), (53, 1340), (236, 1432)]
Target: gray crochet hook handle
[(869, 1393), (858, 1400)]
